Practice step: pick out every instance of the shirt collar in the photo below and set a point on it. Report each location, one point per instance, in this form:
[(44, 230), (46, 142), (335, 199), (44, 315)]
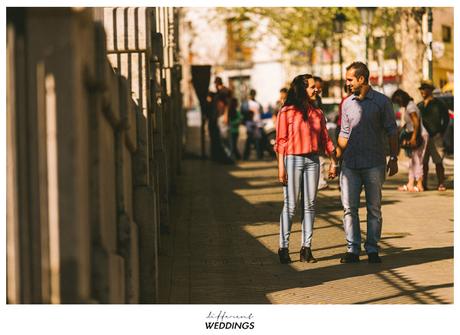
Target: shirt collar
[(369, 95)]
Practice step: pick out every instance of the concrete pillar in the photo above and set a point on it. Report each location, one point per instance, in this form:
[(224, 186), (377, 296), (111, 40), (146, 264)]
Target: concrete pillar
[(20, 283), (89, 165), (12, 201), (126, 147), (56, 127)]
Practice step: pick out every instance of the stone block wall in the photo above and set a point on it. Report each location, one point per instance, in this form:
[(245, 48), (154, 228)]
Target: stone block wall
[(87, 163)]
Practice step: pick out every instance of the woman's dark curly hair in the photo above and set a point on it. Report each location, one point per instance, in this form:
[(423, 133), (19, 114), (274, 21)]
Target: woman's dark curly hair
[(401, 97), (297, 95)]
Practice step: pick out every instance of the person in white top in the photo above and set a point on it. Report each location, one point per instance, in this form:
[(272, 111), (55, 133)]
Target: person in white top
[(254, 126), (414, 142)]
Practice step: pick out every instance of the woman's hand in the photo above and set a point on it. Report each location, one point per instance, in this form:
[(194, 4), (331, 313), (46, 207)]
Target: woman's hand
[(282, 176)]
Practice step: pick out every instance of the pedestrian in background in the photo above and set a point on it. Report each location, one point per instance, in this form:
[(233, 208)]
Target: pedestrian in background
[(253, 126), (235, 121), (435, 118), (319, 87), (339, 115), (218, 123), (322, 184), (301, 135), (415, 139), (366, 116), (279, 103)]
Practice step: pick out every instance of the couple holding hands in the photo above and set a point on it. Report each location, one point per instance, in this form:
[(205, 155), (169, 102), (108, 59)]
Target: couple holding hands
[(301, 135)]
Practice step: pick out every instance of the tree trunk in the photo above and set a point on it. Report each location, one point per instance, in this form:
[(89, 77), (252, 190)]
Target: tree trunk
[(412, 52)]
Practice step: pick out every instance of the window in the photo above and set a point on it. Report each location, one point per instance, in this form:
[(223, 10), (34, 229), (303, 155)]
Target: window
[(446, 34), (442, 82), (239, 50)]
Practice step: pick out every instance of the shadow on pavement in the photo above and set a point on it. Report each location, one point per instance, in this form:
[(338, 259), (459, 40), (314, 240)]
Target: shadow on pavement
[(211, 257)]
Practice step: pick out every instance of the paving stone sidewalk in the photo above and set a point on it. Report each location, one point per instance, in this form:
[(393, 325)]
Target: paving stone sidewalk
[(222, 248)]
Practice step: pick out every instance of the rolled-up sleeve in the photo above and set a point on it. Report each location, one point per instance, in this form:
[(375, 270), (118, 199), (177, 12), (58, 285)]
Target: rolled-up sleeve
[(281, 133), (389, 122), (325, 139), (345, 122)]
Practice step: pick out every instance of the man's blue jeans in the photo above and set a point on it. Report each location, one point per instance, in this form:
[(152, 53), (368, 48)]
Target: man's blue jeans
[(351, 183), (303, 175)]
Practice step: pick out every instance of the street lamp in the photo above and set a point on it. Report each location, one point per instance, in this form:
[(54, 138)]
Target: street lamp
[(339, 21), (239, 62), (367, 14), (430, 43)]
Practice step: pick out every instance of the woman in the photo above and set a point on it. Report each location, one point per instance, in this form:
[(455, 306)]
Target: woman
[(414, 126), (301, 135)]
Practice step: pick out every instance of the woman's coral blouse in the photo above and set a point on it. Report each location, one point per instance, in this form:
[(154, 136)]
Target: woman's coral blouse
[(294, 136)]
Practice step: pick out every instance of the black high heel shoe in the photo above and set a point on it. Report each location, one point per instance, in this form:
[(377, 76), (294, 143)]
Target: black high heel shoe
[(306, 255), (284, 255)]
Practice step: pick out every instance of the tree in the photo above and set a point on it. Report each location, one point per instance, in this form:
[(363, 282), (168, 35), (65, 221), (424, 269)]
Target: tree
[(412, 49), (301, 29)]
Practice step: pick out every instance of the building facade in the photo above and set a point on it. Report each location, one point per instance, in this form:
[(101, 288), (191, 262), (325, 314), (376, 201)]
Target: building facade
[(207, 39), (443, 48)]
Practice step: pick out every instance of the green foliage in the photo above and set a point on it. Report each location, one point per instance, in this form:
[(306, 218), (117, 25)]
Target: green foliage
[(300, 29)]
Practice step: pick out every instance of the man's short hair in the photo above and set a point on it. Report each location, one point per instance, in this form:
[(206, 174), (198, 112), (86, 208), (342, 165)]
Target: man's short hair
[(284, 90), (361, 69), (218, 80), (252, 93)]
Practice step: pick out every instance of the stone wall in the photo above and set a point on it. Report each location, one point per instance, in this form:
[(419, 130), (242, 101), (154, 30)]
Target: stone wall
[(87, 184)]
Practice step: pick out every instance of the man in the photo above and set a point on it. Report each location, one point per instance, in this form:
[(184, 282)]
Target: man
[(219, 111), (222, 98), (366, 116), (435, 118)]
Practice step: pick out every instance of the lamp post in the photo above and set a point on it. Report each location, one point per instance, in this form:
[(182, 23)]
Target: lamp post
[(239, 62), (367, 14), (339, 21), (430, 44)]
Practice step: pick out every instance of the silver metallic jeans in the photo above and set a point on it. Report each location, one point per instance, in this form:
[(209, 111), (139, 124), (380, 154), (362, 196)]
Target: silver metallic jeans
[(351, 183), (303, 175)]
